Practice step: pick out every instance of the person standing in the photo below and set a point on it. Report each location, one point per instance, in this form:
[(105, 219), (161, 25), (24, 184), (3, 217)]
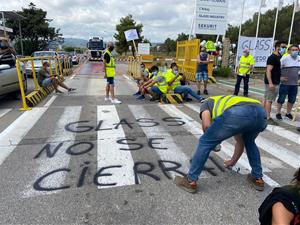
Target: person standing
[(272, 79), (243, 71), (202, 70), (110, 73), (290, 67), (223, 117)]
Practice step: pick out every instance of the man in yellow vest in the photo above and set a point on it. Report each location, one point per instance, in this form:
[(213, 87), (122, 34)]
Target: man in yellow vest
[(110, 72), (243, 71), (224, 117)]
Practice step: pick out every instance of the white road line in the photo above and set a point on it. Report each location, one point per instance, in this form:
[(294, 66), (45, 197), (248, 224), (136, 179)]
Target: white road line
[(61, 159), (272, 148), (50, 101), (287, 121), (16, 131), (4, 111), (227, 148), (173, 152), (284, 133), (109, 153)]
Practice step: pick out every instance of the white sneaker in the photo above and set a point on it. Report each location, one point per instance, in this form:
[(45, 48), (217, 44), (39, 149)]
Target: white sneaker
[(115, 101), (107, 99)]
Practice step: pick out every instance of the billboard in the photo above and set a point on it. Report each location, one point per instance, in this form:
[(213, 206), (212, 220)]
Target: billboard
[(211, 17), (260, 50)]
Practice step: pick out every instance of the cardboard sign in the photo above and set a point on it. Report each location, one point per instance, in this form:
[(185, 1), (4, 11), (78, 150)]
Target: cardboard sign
[(144, 48), (131, 35)]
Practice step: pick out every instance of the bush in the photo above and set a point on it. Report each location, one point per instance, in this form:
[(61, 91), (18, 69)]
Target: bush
[(222, 72)]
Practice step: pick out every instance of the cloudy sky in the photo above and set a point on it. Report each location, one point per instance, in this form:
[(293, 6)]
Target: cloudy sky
[(161, 18)]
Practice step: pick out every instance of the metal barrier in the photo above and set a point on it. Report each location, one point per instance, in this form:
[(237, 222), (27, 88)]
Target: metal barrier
[(39, 93), (186, 59)]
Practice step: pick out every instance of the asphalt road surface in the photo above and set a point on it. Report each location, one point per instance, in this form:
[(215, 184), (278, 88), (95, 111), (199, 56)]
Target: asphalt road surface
[(76, 159)]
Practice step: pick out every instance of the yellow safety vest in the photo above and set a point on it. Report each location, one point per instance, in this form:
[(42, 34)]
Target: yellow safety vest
[(163, 85), (169, 76), (245, 64), (223, 102), (111, 66), (210, 46)]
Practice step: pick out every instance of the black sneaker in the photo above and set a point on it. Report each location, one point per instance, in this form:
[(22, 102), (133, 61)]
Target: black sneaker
[(278, 116), (289, 116), (298, 129), (205, 92), (188, 100), (198, 92)]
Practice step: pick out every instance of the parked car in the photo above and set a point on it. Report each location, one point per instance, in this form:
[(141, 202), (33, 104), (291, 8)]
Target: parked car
[(75, 59), (65, 55), (9, 83), (38, 62)]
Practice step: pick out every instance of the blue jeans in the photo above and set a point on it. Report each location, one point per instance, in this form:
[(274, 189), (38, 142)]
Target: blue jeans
[(185, 90), (156, 90), (238, 83), (247, 120)]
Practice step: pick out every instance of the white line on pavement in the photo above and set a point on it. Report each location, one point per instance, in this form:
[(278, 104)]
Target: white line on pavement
[(284, 133), (4, 111), (172, 151), (272, 148), (16, 131), (60, 159), (109, 154), (287, 121)]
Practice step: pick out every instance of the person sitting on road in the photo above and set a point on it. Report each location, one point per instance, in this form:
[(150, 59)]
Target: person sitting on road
[(282, 206), (45, 80), (173, 79), (145, 76), (145, 87), (157, 86)]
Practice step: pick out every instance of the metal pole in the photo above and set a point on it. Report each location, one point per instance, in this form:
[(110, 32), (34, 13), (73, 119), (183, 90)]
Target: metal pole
[(21, 39), (292, 23), (276, 18), (240, 32), (257, 28), (4, 24), (193, 21)]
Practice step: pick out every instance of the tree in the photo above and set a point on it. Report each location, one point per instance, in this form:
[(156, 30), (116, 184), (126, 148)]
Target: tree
[(127, 23), (68, 48), (182, 37), (36, 30), (267, 26), (169, 46)]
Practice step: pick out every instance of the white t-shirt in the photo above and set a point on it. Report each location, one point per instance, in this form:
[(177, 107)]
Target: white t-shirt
[(290, 68)]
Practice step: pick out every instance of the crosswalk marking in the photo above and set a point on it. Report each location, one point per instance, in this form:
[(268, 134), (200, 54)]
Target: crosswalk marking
[(285, 155), (284, 133), (287, 121), (109, 154), (227, 148), (173, 152), (15, 132), (4, 111), (60, 159)]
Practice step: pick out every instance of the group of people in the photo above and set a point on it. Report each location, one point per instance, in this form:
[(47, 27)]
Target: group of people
[(156, 83), (281, 78)]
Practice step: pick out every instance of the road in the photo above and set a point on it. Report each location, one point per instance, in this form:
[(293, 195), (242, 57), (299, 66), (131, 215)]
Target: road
[(76, 159)]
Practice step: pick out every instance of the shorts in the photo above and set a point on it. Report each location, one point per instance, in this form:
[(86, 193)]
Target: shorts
[(203, 75), (110, 80), (287, 90), (156, 90), (271, 96), (46, 82)]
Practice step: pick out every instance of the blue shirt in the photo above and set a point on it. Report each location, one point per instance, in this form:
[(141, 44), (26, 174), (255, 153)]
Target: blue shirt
[(203, 67)]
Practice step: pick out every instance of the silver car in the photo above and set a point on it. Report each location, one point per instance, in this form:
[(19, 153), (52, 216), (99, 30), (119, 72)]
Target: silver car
[(38, 62), (9, 82)]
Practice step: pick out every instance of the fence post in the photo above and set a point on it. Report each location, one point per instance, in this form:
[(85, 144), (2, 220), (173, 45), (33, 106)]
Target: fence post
[(24, 104)]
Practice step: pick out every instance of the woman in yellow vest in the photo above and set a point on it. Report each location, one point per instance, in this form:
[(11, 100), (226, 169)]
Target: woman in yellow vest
[(224, 117), (173, 79)]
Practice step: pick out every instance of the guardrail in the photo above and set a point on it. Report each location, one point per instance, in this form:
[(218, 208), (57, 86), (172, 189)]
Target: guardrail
[(39, 93)]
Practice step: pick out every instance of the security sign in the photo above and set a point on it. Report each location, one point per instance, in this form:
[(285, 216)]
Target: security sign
[(211, 17)]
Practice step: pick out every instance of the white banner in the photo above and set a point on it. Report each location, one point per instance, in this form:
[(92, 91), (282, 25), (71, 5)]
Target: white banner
[(131, 35), (211, 17), (260, 53), (144, 48)]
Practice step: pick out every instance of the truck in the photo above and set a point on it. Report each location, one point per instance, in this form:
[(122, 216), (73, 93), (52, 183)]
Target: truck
[(96, 48)]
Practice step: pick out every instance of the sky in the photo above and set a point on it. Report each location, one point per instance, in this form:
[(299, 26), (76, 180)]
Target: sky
[(161, 18)]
